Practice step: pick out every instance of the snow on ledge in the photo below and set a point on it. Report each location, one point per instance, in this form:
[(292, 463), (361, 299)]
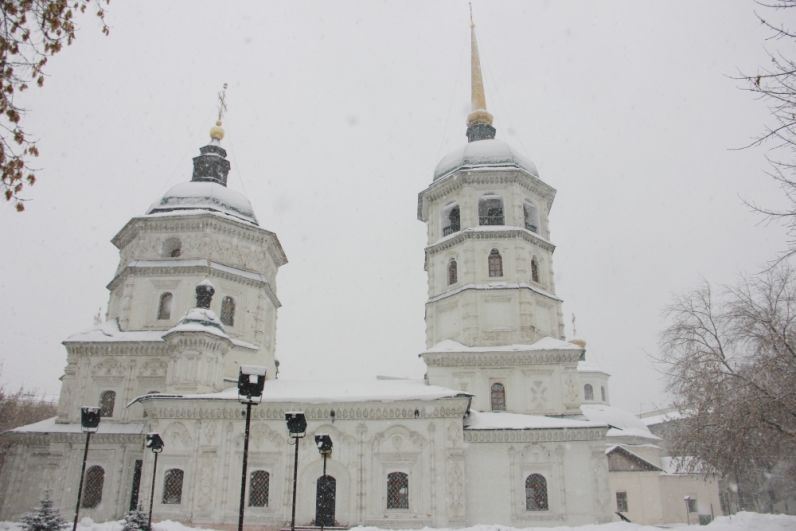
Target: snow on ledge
[(546, 343), (490, 420), (50, 426)]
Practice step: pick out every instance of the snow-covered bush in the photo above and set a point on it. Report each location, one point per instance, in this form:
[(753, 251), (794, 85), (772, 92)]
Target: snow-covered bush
[(135, 520), (45, 518)]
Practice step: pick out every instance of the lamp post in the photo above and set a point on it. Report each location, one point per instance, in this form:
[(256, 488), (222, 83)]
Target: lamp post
[(324, 506), (89, 423), (154, 443), (251, 381), (297, 427)]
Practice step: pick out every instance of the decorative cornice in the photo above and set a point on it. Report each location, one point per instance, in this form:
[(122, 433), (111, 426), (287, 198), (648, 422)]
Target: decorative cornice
[(206, 268), (474, 234), (535, 435), (202, 221), (117, 348), (44, 438), (492, 287), (464, 176), (209, 408), (501, 359)]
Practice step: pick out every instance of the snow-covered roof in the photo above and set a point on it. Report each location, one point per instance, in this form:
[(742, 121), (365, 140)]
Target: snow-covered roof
[(589, 366), (109, 332), (661, 417), (489, 420), (200, 320), (686, 464), (332, 391), (205, 195), (489, 153), (634, 455), (623, 423), (50, 426), (546, 343)]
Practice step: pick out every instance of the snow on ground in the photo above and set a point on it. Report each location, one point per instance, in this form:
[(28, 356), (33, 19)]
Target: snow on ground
[(737, 522)]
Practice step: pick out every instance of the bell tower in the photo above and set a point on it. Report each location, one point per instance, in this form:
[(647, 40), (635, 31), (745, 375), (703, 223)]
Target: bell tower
[(492, 309)]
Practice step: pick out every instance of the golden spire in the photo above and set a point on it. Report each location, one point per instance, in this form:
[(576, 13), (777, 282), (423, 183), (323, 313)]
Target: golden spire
[(479, 114), (217, 132)]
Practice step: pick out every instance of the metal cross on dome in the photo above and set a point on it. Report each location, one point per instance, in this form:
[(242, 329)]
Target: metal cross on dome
[(222, 102)]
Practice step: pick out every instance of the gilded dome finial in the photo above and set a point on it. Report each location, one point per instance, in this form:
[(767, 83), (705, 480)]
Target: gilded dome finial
[(217, 132)]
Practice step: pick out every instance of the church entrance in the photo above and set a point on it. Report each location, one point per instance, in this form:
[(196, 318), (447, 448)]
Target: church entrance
[(325, 494)]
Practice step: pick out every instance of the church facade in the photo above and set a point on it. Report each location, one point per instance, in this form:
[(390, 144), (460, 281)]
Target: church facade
[(498, 432)]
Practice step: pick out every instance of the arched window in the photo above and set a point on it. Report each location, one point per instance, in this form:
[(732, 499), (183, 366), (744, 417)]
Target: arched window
[(588, 392), (451, 220), (531, 216), (534, 270), (164, 307), (535, 493), (107, 401), (495, 264), (228, 311), (453, 272), (490, 210), (258, 488), (602, 392), (172, 486), (498, 396), (92, 487), (397, 490), (172, 248)]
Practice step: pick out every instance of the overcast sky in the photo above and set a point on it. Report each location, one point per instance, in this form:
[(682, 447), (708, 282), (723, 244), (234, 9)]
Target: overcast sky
[(338, 114)]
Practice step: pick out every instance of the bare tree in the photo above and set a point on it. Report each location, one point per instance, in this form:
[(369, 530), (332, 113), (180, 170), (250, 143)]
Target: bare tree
[(731, 365), (31, 31), (775, 84)]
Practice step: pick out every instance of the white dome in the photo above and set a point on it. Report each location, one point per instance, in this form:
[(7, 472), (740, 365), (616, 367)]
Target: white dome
[(483, 153), (204, 195)]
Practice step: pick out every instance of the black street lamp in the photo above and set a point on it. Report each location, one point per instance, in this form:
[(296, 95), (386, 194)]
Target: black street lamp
[(89, 423), (154, 443), (251, 381), (297, 427), (324, 506)]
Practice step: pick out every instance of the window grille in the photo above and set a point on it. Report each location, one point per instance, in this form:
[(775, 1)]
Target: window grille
[(92, 487), (453, 272), (258, 488), (498, 397), (495, 264), (531, 217), (172, 486), (534, 270), (397, 490), (164, 307), (490, 211), (453, 221), (621, 502), (228, 311), (588, 392), (536, 493), (107, 401)]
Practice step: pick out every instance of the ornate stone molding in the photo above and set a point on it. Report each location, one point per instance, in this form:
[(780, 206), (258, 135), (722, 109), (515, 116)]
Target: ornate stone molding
[(500, 359), (46, 438), (509, 233), (494, 286), (534, 435)]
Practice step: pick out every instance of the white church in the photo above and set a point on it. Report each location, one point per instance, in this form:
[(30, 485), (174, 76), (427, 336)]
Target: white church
[(511, 424)]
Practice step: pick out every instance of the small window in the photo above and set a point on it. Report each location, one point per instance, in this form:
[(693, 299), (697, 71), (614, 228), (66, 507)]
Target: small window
[(164, 307), (621, 502), (397, 490), (490, 210), (534, 270), (92, 487), (451, 220), (588, 392), (258, 488), (602, 392), (495, 264), (498, 397), (107, 401), (691, 503), (453, 272), (536, 493), (172, 248), (228, 311), (531, 217), (172, 486)]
